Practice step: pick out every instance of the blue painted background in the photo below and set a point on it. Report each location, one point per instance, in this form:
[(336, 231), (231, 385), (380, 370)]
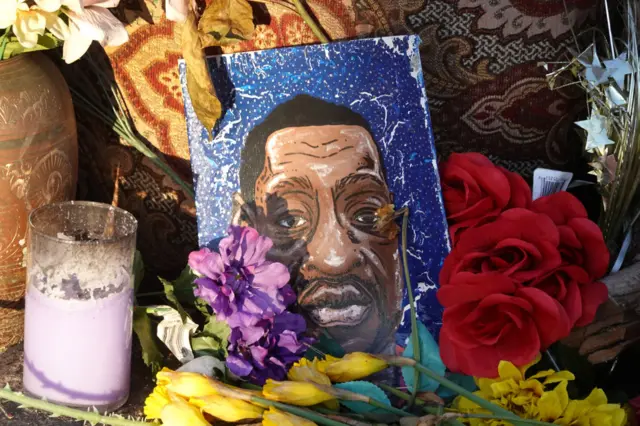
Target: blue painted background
[(381, 79)]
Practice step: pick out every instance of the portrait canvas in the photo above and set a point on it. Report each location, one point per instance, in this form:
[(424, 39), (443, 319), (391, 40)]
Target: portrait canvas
[(312, 141)]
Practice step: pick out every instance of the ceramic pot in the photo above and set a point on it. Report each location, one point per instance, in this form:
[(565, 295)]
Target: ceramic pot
[(38, 165)]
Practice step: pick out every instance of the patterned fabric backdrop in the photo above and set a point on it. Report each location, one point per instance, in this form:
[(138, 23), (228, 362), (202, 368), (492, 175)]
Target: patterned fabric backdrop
[(480, 59)]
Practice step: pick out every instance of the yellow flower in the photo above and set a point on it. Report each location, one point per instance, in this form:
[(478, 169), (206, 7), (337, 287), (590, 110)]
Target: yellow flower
[(354, 366), (594, 410), (188, 385), (552, 404), (309, 371), (227, 409), (180, 413), (296, 393), (275, 417), (155, 402), (521, 395)]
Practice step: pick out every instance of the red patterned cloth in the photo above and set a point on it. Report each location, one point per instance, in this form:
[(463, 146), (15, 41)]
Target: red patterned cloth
[(480, 61)]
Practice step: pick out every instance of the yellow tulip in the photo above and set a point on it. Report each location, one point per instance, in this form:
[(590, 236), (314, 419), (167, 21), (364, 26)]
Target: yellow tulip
[(296, 393), (354, 366), (227, 409), (275, 417), (180, 413), (155, 402), (309, 371), (188, 385)]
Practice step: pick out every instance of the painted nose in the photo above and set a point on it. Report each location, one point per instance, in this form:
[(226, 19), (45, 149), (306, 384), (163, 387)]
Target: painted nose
[(331, 251)]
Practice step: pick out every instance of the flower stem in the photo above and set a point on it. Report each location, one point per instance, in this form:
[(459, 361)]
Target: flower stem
[(298, 411), (315, 27), (434, 410), (407, 397), (468, 395), (415, 338), (383, 406), (87, 416), (121, 126)]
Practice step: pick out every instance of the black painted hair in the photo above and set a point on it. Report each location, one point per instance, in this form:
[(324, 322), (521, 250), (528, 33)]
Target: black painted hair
[(300, 111)]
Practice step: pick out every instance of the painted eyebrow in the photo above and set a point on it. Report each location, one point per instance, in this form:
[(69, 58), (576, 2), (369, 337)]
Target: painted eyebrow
[(354, 178), (318, 156), (294, 182)]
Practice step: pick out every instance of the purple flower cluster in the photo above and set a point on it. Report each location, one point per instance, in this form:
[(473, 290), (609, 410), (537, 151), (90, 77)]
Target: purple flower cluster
[(252, 295)]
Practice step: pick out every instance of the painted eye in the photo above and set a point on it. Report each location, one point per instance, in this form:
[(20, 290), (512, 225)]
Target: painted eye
[(365, 217), (291, 222)]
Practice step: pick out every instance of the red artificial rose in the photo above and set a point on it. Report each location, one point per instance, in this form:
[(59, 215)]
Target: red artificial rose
[(476, 191), (489, 318), (519, 244), (581, 240), (572, 287)]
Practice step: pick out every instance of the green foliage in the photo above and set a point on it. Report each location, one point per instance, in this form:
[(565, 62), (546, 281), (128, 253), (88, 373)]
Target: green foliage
[(14, 48), (180, 291), (212, 340), (367, 389), (143, 328), (429, 357)]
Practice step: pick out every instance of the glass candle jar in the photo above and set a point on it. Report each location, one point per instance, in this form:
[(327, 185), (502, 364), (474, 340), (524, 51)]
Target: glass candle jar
[(79, 304)]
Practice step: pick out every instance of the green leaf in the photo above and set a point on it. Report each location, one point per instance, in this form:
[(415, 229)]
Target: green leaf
[(367, 389), (466, 382), (45, 42), (325, 345), (151, 354), (429, 357), (213, 339), (138, 270), (203, 307), (180, 291)]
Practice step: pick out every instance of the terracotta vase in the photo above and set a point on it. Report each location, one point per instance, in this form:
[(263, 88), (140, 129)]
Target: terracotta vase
[(38, 165)]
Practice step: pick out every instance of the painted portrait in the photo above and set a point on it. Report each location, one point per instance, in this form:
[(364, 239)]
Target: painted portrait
[(313, 141)]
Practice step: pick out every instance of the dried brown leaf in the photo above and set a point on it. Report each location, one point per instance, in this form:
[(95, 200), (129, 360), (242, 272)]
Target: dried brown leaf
[(226, 22), (203, 96), (385, 224)]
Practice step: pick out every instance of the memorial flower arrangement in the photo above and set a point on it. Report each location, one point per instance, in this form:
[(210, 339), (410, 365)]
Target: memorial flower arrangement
[(520, 275)]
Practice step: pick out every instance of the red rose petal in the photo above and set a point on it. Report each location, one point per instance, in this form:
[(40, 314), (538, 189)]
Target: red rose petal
[(593, 295), (572, 303), (520, 190), (519, 346), (560, 207), (469, 287), (550, 317), (596, 254)]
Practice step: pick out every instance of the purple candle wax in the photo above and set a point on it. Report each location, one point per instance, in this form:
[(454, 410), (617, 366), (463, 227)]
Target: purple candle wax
[(78, 352)]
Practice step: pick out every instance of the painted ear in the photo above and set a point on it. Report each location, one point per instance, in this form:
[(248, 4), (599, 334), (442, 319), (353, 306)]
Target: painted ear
[(243, 213)]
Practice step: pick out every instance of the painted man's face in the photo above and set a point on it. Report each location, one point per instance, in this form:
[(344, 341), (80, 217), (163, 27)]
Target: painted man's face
[(319, 191)]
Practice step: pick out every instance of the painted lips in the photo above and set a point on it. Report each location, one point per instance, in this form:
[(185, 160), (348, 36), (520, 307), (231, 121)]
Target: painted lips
[(335, 303)]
